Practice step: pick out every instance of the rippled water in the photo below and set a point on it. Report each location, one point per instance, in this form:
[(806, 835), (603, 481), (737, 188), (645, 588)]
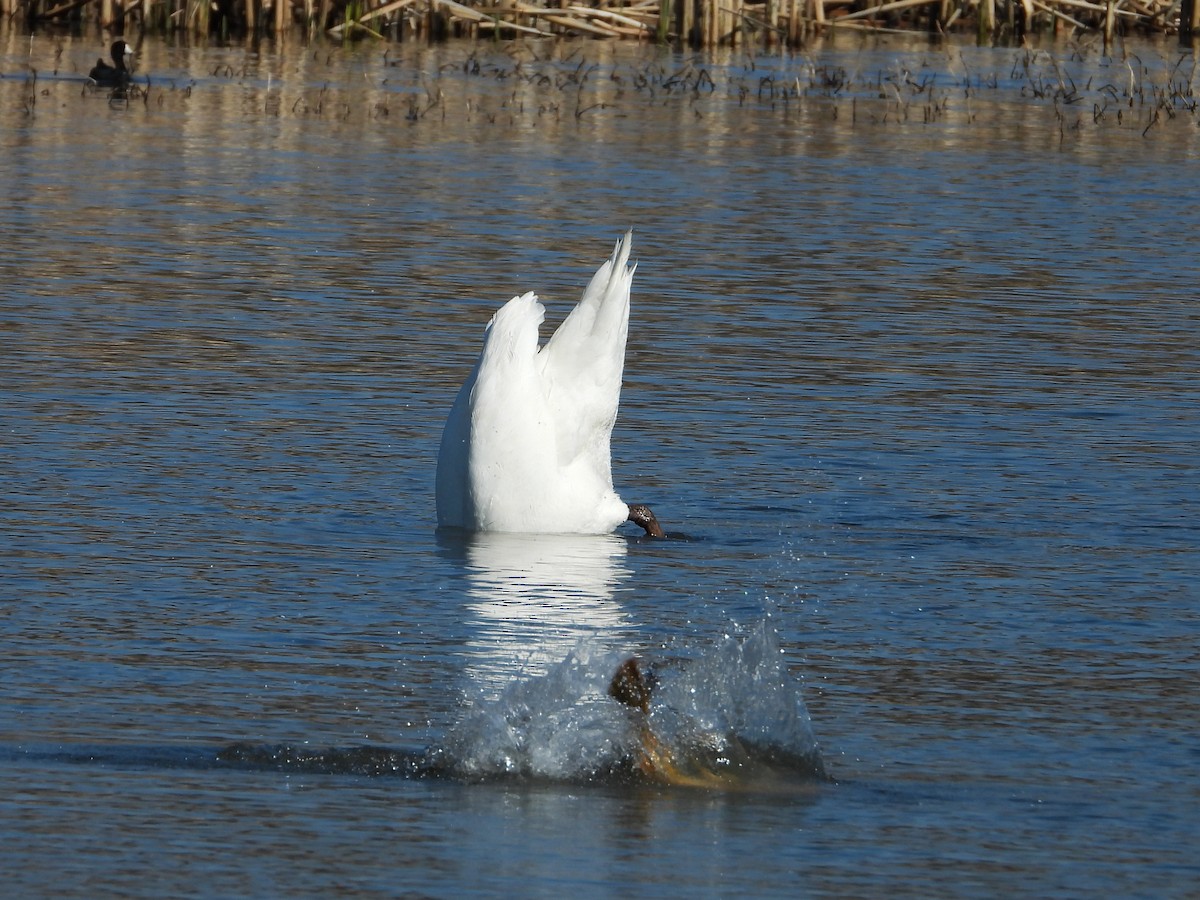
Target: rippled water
[(912, 367)]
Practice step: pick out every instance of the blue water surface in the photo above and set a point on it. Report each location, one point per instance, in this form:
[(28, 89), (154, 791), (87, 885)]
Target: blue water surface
[(911, 376)]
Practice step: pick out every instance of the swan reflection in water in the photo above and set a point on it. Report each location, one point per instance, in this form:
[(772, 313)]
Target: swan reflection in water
[(535, 599)]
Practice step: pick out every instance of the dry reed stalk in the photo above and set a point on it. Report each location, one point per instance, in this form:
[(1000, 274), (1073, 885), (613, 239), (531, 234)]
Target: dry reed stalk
[(637, 27), (201, 12), (986, 24), (1058, 14), (353, 26), (884, 8), (611, 26), (556, 17), (699, 22), (493, 21), (1145, 10), (1095, 7), (64, 8), (382, 10), (663, 29)]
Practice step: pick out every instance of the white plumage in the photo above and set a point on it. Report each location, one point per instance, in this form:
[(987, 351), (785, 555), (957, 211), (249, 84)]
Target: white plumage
[(526, 445)]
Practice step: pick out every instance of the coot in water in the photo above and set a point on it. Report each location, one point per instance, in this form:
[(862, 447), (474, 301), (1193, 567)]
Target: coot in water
[(116, 75)]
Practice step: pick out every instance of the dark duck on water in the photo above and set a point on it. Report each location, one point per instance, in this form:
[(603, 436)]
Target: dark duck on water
[(116, 75)]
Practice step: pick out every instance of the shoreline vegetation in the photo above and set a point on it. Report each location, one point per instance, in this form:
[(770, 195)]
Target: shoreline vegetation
[(695, 23)]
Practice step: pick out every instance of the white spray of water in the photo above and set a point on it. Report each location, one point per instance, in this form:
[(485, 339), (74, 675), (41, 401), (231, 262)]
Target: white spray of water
[(732, 711)]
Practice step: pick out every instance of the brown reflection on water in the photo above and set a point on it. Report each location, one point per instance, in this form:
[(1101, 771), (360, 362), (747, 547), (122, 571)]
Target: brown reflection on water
[(844, 89), (272, 157)]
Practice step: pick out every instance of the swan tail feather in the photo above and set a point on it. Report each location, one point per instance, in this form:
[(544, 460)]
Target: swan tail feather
[(593, 335), (513, 330)]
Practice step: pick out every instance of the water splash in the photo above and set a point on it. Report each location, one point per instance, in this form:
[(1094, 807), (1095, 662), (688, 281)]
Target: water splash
[(731, 717), (737, 711), (560, 725)]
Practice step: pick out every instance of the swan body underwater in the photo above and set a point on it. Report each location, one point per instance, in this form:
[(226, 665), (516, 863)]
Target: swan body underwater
[(526, 447), (116, 75)]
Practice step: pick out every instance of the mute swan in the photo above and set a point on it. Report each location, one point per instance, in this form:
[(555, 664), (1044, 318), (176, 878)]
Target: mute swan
[(526, 445), (117, 74)]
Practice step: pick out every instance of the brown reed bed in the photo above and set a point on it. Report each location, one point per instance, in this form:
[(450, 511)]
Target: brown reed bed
[(698, 23)]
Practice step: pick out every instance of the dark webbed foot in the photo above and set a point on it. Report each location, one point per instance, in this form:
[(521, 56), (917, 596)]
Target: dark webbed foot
[(640, 514)]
